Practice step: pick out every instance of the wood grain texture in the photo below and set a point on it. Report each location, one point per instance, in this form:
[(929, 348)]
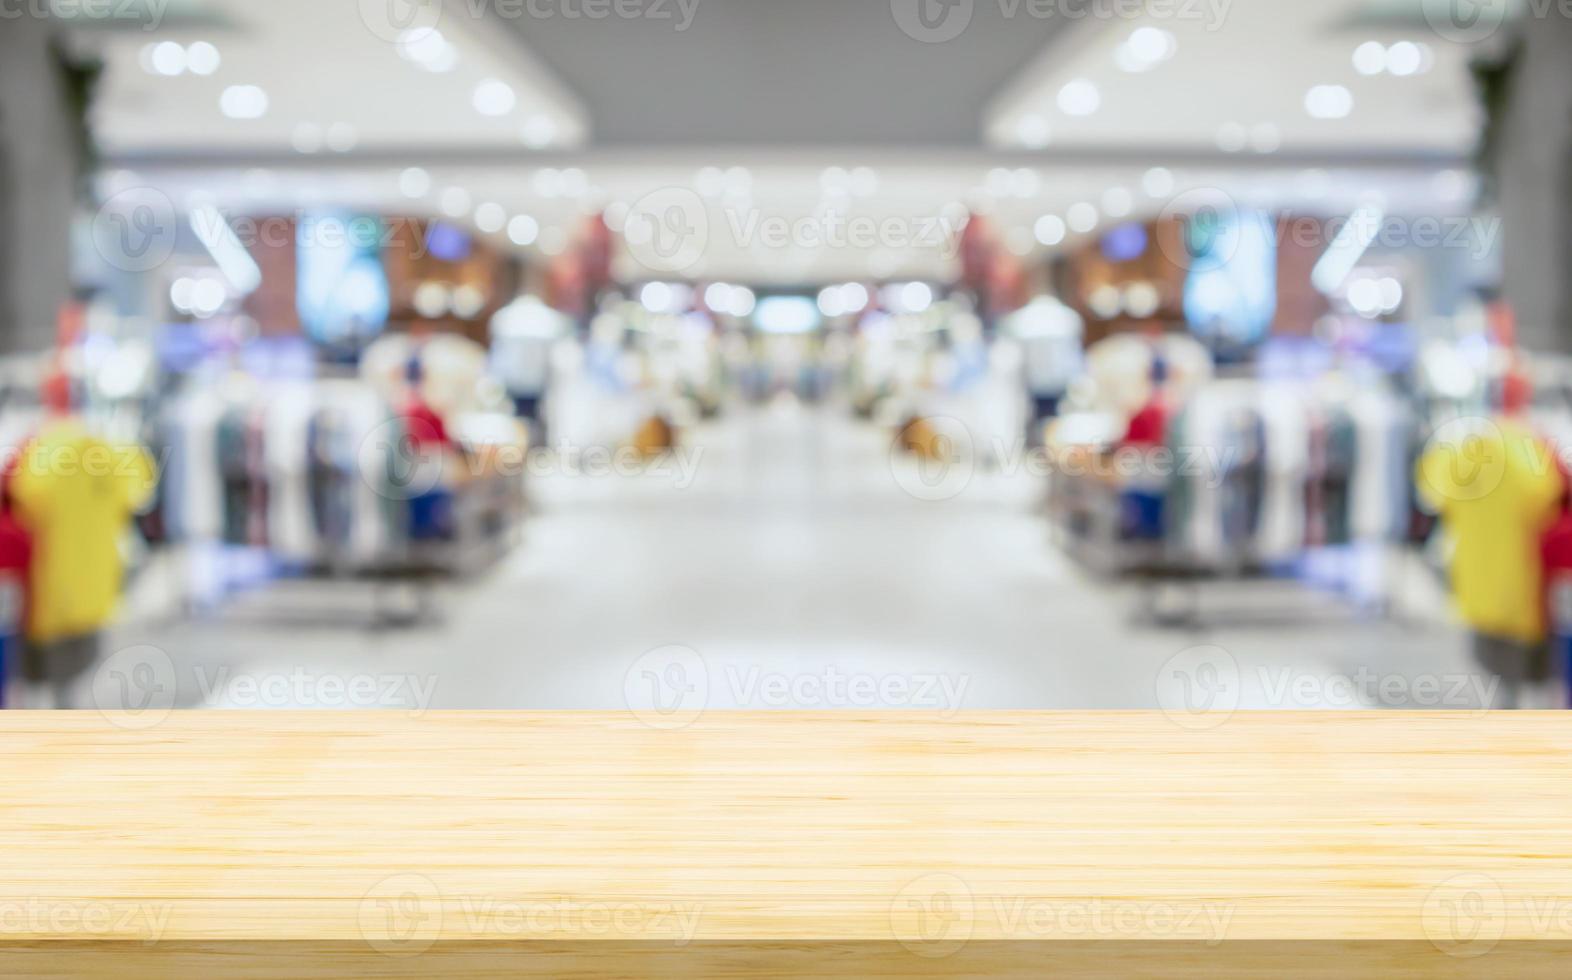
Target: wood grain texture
[(1401, 843)]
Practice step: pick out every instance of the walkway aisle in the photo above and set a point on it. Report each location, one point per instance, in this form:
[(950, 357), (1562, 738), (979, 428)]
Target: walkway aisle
[(780, 549)]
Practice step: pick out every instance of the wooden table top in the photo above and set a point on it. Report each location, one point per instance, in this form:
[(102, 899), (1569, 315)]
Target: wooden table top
[(385, 828)]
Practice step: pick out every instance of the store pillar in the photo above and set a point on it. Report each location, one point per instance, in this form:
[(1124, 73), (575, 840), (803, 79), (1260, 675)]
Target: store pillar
[(1535, 166), (38, 170)]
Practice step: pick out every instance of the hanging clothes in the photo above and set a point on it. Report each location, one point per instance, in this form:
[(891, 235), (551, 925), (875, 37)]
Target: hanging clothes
[(1496, 490), (1285, 430), (76, 494), (287, 464)]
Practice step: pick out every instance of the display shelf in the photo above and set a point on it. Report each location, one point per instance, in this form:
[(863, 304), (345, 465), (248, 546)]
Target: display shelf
[(757, 844)]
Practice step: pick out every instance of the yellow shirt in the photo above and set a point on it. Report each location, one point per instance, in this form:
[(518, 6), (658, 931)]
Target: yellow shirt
[(1496, 488), (76, 493)]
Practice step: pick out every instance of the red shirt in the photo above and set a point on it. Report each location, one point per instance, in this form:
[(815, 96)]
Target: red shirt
[(1149, 426), (425, 427)]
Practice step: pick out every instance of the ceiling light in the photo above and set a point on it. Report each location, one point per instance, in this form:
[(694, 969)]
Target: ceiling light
[(306, 137), (1329, 102), (1152, 43), (167, 58), (1232, 137), (1049, 229), (455, 202), (1079, 97), (202, 58), (493, 97), (1404, 58), (1264, 138), (431, 299), (1370, 58), (1081, 217), (830, 302), (916, 297), (1032, 132), (1116, 202), (341, 137), (490, 217), (243, 102), (855, 296), (414, 182), (574, 182), (1158, 182), (864, 181), (428, 49), (742, 302), (523, 230), (538, 132), (553, 240), (1145, 49), (717, 297), (656, 297)]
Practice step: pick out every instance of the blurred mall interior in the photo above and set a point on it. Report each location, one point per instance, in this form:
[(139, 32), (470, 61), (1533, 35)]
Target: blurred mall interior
[(686, 354)]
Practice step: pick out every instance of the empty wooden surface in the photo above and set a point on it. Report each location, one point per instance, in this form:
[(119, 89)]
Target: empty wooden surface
[(1442, 839)]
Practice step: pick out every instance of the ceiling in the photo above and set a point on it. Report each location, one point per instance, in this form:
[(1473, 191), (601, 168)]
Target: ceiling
[(762, 97)]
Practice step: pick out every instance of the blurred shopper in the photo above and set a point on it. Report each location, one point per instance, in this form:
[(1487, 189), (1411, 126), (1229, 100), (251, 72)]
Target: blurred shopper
[(522, 336), (1496, 491), (431, 515), (1142, 492), (75, 494), (16, 556)]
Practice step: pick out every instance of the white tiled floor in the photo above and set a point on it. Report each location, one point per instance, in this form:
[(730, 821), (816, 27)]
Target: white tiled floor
[(800, 575)]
